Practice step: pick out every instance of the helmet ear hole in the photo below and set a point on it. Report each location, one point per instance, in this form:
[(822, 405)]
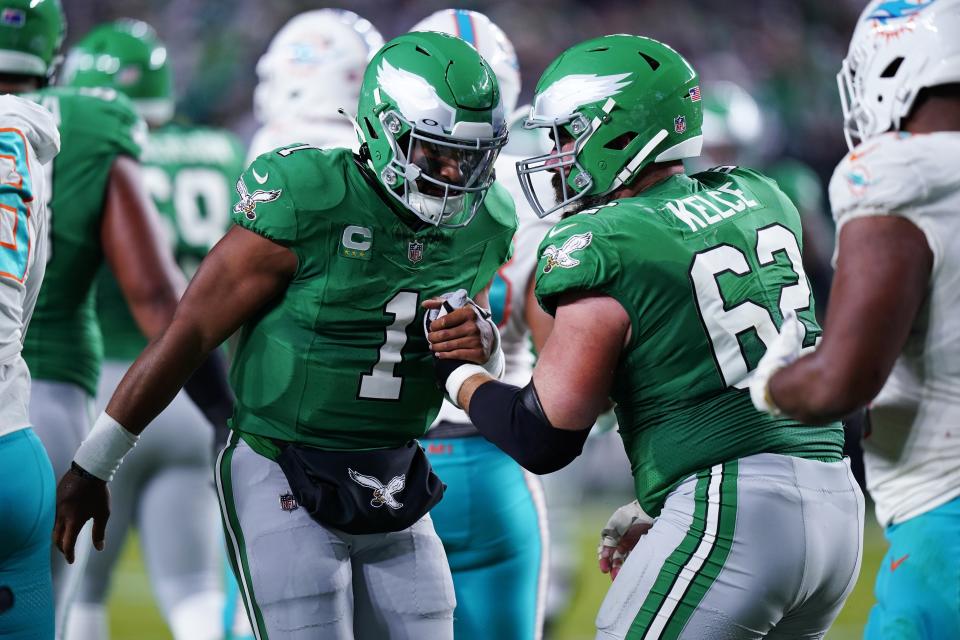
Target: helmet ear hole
[(622, 141), (892, 68), (653, 62), (370, 130)]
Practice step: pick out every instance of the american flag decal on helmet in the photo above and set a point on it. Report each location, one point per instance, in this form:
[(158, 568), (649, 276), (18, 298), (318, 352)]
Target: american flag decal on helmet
[(694, 94), (13, 17)]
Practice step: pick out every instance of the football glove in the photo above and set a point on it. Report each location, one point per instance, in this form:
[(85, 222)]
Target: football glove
[(616, 528), (451, 374), (781, 352)]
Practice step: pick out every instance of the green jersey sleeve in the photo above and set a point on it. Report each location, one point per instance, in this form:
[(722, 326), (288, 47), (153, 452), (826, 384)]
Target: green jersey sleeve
[(575, 255), (281, 189)]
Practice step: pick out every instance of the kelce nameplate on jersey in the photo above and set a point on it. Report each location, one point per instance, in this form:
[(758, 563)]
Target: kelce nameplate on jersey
[(710, 207)]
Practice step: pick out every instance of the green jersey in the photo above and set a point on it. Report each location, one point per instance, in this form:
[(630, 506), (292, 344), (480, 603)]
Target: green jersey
[(189, 172), (705, 266), (96, 126), (340, 360)]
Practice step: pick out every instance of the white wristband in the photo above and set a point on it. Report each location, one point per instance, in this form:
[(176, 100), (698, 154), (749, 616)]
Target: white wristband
[(456, 379), (102, 451)]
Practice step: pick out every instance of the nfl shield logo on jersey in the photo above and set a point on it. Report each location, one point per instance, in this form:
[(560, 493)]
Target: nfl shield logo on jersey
[(415, 251), (288, 502)]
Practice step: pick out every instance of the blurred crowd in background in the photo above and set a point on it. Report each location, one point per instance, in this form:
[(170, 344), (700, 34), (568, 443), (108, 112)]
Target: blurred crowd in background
[(784, 52)]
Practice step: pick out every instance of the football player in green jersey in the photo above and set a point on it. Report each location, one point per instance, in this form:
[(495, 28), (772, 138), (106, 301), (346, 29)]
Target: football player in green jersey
[(324, 493), (164, 489), (666, 289), (99, 213)]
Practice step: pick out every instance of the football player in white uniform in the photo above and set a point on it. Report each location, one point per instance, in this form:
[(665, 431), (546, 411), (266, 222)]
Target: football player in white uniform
[(494, 530), (312, 68), (28, 140), (892, 335)]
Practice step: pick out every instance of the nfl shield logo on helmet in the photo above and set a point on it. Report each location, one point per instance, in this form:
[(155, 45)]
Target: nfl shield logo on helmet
[(415, 251), (680, 124)]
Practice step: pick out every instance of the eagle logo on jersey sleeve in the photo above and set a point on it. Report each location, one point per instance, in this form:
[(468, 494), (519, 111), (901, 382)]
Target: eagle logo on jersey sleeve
[(248, 201), (561, 257), (382, 495)]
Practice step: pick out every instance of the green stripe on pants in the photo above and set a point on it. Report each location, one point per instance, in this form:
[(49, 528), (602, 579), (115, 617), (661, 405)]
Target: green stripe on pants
[(674, 562), (234, 535), (716, 557)]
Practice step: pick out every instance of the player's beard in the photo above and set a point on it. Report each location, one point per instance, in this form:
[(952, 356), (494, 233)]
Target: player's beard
[(587, 202)]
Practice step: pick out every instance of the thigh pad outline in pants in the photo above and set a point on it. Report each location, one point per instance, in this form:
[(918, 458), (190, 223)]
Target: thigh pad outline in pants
[(728, 558), (402, 585), (294, 575)]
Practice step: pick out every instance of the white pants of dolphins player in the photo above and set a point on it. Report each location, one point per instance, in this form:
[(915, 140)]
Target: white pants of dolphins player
[(300, 580), (767, 546)]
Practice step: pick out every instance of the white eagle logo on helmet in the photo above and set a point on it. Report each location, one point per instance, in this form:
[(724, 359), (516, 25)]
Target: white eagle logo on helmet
[(415, 97), (561, 257), (382, 494), (567, 94), (248, 201)]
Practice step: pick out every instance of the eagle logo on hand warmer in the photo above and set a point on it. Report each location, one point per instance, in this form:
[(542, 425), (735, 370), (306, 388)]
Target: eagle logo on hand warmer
[(382, 495), (561, 257), (248, 201)]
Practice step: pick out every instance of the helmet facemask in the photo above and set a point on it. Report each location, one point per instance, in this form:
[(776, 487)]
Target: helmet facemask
[(444, 176), (564, 164)]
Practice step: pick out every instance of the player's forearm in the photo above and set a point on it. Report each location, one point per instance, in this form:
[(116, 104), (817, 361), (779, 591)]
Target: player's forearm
[(815, 390)]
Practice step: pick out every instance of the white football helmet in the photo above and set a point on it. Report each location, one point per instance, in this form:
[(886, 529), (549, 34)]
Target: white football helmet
[(898, 48), (488, 39), (314, 66)]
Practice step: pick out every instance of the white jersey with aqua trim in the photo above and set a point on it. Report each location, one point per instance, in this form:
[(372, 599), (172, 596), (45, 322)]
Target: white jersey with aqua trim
[(325, 134), (912, 449), (29, 139)]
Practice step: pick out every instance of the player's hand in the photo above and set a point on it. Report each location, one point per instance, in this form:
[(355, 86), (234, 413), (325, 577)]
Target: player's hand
[(80, 497), (458, 329), (784, 349), (621, 534)]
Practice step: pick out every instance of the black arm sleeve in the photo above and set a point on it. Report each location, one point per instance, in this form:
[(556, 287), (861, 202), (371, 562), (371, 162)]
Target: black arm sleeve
[(209, 390), (513, 419)]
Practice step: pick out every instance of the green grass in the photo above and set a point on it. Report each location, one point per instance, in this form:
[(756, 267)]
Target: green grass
[(134, 616)]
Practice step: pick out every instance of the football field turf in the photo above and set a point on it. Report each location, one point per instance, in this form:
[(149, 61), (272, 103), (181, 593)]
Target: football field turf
[(133, 615)]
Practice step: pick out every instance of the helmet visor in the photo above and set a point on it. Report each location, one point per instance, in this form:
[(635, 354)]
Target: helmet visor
[(459, 165), (444, 177)]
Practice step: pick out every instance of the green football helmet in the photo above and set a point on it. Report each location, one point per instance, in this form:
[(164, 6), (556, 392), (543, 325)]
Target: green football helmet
[(431, 118), (127, 56), (31, 32), (625, 102)]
